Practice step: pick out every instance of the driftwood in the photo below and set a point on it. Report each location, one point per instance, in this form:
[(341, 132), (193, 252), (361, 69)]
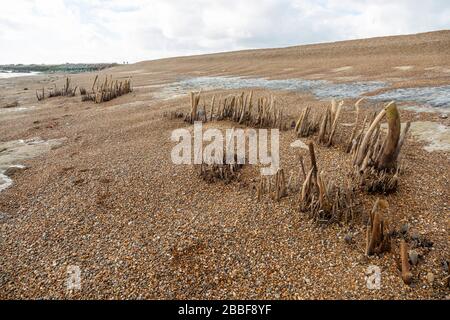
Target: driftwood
[(378, 238)]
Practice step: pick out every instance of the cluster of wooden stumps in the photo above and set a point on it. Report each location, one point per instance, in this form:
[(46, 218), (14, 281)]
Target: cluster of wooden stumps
[(374, 150), (322, 199), (325, 123), (107, 90), (375, 154), (66, 91), (273, 185), (103, 92), (306, 125), (379, 239), (264, 113), (212, 171), (325, 201)]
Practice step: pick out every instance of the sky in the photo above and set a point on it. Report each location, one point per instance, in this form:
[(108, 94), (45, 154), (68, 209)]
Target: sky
[(60, 31)]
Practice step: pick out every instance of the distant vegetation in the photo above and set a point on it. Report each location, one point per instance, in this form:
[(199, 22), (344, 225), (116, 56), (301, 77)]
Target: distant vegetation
[(52, 68)]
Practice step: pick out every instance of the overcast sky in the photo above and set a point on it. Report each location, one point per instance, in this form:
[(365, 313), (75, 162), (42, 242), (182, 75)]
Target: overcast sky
[(59, 31)]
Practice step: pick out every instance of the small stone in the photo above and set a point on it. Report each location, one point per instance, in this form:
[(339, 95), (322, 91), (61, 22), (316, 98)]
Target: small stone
[(348, 238), (430, 277), (445, 265), (413, 257), (415, 236), (12, 170), (3, 216), (404, 228), (443, 116)]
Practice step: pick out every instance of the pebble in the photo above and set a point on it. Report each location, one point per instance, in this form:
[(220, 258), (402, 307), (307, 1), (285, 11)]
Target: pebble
[(445, 265), (413, 257), (430, 277), (3, 216), (404, 228), (348, 238), (443, 116), (415, 236), (12, 170)]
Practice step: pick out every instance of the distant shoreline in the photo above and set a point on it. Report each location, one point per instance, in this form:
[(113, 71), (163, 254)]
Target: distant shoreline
[(10, 74), (53, 68)]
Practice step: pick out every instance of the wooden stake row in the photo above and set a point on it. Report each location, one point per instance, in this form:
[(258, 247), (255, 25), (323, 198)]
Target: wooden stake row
[(107, 90), (240, 109)]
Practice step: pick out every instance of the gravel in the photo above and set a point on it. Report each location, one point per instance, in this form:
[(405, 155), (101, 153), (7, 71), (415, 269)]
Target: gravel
[(110, 201)]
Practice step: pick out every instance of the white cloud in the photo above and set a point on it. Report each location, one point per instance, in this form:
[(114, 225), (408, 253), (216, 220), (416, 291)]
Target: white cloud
[(58, 31)]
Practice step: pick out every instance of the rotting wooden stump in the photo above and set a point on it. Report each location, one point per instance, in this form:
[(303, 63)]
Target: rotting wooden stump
[(355, 128), (306, 125), (322, 199), (404, 257), (174, 115), (274, 185), (196, 114), (325, 123), (329, 122), (375, 155), (213, 171), (378, 239), (40, 94)]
